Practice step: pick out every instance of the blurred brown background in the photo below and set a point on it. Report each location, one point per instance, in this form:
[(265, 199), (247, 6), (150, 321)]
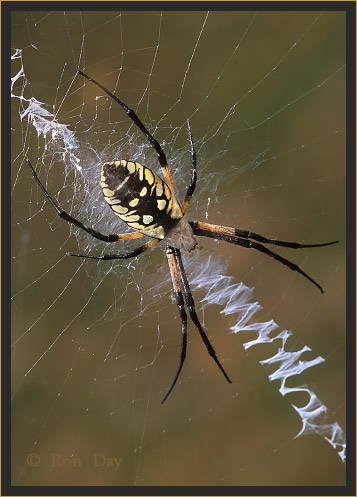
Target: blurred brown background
[(96, 346)]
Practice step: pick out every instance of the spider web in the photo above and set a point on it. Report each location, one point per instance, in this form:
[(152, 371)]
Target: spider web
[(96, 344)]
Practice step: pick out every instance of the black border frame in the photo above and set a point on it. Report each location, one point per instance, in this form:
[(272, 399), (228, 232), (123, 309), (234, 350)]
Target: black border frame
[(350, 8)]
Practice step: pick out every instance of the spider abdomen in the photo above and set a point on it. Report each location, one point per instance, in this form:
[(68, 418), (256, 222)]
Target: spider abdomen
[(139, 197)]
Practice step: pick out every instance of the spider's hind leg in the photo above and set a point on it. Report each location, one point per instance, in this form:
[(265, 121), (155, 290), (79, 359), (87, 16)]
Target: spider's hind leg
[(192, 186), (70, 219), (126, 255), (137, 121)]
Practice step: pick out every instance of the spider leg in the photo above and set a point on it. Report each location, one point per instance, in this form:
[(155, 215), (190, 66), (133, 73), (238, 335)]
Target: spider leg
[(243, 242), (181, 306), (235, 232), (125, 255), (131, 114), (192, 186), (191, 308), (67, 217)]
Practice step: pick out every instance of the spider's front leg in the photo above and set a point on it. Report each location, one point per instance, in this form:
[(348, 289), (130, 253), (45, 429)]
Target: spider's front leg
[(181, 306), (179, 279), (192, 310)]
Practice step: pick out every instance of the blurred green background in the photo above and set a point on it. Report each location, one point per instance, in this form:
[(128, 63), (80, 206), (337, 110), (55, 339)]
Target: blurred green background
[(97, 345)]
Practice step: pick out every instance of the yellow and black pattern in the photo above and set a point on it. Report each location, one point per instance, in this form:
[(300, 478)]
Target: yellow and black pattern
[(147, 203), (139, 197)]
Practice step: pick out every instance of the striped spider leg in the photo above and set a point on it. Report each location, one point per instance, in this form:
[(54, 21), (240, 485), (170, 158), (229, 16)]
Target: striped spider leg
[(148, 204)]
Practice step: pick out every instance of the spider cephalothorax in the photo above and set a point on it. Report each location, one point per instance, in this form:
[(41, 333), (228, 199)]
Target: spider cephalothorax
[(148, 204)]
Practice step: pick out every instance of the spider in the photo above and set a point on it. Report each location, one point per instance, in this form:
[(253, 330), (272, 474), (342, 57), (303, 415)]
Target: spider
[(148, 204)]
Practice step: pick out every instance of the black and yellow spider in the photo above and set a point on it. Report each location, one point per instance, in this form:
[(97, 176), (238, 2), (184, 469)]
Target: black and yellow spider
[(148, 204)]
